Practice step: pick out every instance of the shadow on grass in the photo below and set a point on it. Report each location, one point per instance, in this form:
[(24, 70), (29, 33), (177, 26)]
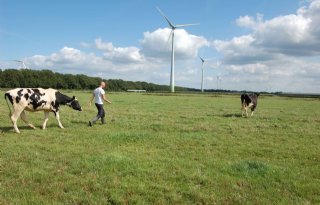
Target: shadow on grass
[(232, 115), (10, 129), (80, 122)]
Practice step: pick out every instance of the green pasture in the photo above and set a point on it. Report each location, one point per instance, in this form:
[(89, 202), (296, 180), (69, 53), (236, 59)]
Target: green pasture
[(165, 149)]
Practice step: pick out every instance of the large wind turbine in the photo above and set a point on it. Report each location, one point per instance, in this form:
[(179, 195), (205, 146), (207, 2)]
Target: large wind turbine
[(173, 28), (23, 65), (202, 83)]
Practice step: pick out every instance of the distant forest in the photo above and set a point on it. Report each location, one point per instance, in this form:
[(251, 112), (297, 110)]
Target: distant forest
[(12, 78)]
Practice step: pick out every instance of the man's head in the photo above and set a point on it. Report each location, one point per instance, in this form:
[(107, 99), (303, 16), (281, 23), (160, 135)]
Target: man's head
[(102, 84)]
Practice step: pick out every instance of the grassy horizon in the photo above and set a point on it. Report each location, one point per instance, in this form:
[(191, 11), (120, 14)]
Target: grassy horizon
[(165, 149)]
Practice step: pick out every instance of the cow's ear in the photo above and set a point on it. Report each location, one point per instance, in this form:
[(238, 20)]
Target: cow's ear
[(74, 97)]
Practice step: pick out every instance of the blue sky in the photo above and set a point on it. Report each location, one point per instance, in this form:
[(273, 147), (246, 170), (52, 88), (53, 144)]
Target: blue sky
[(121, 39)]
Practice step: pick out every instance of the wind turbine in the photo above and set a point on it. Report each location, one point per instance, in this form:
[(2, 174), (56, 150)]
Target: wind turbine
[(218, 81), (23, 65), (202, 83), (173, 28)]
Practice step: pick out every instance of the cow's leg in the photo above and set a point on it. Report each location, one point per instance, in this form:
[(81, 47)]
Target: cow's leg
[(58, 119), (251, 107), (246, 110), (252, 110), (25, 119), (14, 117), (46, 117), (242, 110)]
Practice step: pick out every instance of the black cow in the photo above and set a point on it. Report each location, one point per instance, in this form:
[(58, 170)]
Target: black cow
[(249, 101), (37, 99)]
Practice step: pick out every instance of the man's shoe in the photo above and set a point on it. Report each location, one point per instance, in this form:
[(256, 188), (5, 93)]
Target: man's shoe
[(90, 123)]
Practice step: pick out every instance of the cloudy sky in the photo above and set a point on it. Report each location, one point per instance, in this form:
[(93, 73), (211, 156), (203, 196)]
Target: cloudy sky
[(260, 45)]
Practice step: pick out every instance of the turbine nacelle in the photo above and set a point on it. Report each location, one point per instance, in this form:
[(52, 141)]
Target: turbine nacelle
[(202, 60)]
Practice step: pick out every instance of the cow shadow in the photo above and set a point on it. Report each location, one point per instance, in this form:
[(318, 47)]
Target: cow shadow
[(232, 115), (9, 129), (5, 129)]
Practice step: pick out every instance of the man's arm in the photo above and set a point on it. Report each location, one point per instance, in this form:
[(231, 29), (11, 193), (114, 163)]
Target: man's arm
[(105, 99)]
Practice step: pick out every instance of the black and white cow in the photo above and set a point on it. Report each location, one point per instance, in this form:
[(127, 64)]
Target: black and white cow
[(37, 99), (249, 101)]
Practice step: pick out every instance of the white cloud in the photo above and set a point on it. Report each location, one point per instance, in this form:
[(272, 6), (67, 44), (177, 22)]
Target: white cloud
[(68, 60), (122, 55), (157, 44), (249, 21), (295, 34), (104, 46), (281, 52)]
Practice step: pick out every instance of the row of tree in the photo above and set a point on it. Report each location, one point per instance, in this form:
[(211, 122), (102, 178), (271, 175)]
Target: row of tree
[(12, 78)]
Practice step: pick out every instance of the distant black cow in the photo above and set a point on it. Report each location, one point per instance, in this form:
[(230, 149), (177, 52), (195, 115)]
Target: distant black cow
[(249, 101), (37, 99)]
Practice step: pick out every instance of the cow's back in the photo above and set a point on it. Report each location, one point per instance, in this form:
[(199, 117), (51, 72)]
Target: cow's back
[(32, 99)]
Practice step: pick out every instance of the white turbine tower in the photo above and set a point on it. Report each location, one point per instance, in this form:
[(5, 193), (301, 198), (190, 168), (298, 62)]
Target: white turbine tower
[(202, 76), (23, 65), (173, 28), (219, 79)]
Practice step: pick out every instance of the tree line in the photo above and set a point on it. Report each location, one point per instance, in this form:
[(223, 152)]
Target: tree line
[(13, 78)]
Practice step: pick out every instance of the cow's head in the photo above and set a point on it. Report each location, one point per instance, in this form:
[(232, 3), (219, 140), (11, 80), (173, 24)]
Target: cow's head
[(74, 103)]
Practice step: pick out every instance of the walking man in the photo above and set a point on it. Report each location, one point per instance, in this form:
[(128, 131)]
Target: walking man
[(99, 96)]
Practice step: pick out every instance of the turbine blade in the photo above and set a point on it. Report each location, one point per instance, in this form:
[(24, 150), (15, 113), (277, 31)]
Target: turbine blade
[(184, 25), (166, 18)]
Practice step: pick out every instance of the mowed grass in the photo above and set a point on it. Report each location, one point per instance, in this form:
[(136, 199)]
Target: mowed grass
[(165, 149)]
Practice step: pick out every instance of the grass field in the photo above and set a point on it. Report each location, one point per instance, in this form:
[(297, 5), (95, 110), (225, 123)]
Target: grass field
[(165, 149)]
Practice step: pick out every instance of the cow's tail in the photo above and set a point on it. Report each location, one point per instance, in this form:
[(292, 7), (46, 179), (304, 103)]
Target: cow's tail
[(6, 98)]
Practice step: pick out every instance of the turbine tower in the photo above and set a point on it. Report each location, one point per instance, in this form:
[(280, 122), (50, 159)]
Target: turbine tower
[(219, 79), (202, 82), (23, 65), (173, 28)]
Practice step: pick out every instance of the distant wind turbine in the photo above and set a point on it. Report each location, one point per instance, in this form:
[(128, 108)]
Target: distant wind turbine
[(23, 65), (218, 82), (202, 80), (173, 28)]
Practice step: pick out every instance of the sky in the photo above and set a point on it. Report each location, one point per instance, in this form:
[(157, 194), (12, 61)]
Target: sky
[(257, 45)]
